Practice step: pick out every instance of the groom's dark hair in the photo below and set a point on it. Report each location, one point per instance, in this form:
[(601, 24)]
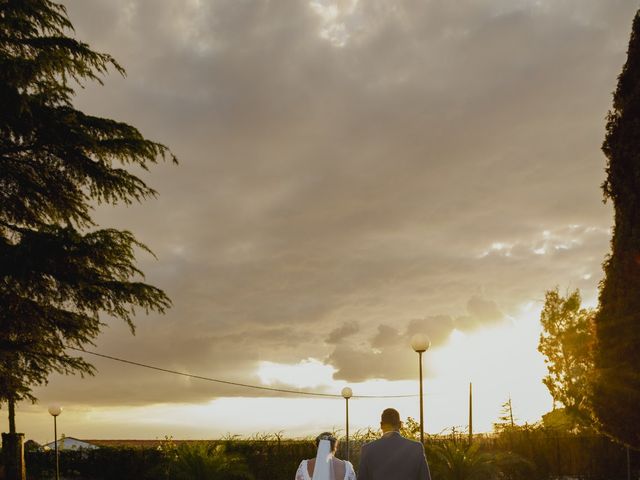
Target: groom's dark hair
[(327, 436), (391, 417)]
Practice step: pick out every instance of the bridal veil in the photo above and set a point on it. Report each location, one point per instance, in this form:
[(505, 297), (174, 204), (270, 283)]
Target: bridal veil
[(324, 465)]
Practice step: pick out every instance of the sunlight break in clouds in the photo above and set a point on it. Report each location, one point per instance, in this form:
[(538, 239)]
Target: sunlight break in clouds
[(307, 373), (338, 19), (548, 242)]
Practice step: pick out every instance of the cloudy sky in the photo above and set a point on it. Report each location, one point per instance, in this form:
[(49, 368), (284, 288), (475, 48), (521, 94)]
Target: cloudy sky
[(351, 172)]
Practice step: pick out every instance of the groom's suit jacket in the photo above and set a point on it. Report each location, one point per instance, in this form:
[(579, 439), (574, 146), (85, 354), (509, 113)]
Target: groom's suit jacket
[(393, 457)]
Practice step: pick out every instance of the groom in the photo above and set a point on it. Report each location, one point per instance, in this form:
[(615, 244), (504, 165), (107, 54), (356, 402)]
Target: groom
[(393, 457)]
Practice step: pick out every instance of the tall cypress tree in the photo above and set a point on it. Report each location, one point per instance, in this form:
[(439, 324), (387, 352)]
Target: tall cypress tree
[(60, 274), (616, 386)]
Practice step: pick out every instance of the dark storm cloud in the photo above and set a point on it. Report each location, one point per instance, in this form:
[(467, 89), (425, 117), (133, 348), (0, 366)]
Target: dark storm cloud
[(439, 327), (387, 355), (385, 337), (482, 312), (344, 331), (358, 365), (371, 164)]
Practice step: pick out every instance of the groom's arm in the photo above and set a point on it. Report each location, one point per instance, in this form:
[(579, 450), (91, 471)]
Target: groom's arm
[(424, 473), (363, 470)]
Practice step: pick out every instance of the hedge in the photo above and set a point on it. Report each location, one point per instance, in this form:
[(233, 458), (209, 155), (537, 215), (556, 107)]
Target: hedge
[(554, 455)]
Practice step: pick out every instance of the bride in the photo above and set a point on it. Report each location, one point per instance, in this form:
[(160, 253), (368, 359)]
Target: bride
[(325, 466)]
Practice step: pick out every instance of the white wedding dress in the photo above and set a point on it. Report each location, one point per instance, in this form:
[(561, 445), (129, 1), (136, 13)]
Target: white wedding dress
[(303, 471), (323, 469)]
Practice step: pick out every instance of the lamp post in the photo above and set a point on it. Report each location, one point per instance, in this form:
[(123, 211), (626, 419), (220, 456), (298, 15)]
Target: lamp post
[(56, 410), (420, 344), (347, 393)]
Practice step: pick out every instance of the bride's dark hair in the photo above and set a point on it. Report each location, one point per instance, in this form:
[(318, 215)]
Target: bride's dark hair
[(328, 436)]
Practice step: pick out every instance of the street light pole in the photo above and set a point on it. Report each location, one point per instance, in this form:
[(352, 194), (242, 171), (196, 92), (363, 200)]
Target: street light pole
[(347, 393), (421, 401), (420, 344), (55, 445), (56, 410)]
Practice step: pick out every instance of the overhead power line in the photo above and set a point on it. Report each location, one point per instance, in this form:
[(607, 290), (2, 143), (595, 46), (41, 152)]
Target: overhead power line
[(235, 384)]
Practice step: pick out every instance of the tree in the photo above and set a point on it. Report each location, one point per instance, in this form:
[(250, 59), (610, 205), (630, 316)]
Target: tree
[(616, 385), (565, 341), (410, 428), (60, 275), (505, 420), (558, 419)]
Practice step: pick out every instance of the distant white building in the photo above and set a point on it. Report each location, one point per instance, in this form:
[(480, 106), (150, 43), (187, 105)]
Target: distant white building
[(69, 443)]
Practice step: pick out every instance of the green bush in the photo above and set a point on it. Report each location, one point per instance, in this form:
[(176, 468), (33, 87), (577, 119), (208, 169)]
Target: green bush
[(452, 460), (208, 461)]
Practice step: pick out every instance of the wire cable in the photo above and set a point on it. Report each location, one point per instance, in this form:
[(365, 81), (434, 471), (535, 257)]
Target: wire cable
[(235, 384)]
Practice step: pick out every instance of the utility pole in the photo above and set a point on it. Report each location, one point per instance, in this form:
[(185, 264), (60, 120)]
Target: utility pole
[(628, 464), (470, 413)]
